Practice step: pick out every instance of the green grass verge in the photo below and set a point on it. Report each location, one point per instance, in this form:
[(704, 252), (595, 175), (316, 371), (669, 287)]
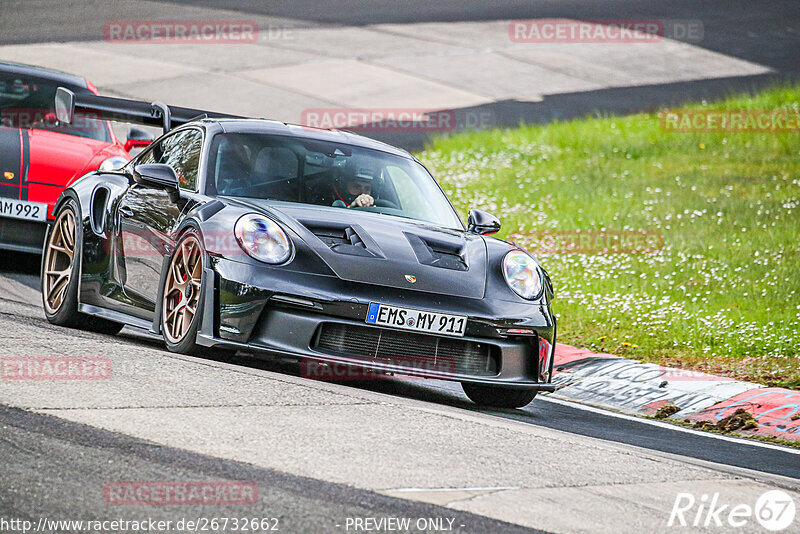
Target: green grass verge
[(720, 296)]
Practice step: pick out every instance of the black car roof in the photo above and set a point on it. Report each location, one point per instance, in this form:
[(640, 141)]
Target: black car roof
[(267, 126), (41, 72)]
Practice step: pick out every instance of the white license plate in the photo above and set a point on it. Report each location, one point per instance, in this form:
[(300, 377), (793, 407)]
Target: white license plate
[(416, 320), (22, 209)]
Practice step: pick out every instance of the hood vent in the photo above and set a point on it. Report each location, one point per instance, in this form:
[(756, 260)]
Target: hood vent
[(367, 248), (344, 239), (438, 253)]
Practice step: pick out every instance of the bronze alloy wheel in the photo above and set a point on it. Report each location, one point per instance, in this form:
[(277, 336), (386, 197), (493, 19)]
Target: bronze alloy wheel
[(59, 257), (182, 290)]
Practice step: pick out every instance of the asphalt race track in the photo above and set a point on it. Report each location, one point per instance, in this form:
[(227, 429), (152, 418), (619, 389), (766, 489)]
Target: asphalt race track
[(548, 413), (39, 481), (57, 467)]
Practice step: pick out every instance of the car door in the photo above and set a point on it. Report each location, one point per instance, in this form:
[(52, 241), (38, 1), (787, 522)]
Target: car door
[(148, 217)]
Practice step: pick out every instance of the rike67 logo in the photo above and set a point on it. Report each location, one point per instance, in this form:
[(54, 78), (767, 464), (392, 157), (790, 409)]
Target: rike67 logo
[(774, 510)]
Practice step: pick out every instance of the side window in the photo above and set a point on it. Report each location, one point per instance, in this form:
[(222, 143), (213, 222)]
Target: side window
[(182, 152), (148, 156)]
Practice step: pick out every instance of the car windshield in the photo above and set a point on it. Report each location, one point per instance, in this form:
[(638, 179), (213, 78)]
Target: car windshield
[(28, 102), (323, 173)]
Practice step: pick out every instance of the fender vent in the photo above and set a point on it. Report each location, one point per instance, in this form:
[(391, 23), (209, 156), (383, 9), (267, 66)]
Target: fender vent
[(98, 212)]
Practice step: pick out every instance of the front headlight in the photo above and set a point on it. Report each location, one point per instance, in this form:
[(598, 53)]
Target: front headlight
[(113, 163), (522, 274), (262, 238)]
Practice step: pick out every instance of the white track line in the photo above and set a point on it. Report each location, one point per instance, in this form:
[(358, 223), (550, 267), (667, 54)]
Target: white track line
[(409, 490), (671, 426)]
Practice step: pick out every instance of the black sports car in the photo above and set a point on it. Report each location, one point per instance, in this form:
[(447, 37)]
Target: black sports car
[(277, 239)]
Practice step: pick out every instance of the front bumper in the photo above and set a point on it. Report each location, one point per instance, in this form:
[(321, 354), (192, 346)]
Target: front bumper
[(22, 236), (289, 313)]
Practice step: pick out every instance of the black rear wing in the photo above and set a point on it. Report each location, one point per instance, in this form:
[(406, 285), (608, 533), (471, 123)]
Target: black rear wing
[(121, 109)]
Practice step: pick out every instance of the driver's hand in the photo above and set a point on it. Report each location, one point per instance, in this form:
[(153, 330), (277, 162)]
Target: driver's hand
[(363, 201)]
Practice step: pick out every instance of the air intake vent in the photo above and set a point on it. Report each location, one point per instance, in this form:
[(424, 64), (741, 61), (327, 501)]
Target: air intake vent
[(437, 253), (331, 236), (341, 238), (407, 349)]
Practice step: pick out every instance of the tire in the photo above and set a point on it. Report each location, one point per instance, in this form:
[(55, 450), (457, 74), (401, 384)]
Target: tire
[(60, 275), (498, 397), (178, 336)]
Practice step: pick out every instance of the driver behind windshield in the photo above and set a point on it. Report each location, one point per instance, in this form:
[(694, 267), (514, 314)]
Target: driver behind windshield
[(354, 191)]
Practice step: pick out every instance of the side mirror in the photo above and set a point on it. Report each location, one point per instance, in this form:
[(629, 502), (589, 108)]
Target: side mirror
[(481, 222), (138, 138), (159, 175), (65, 105)]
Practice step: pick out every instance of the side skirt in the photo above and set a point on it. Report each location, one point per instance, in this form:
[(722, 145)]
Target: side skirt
[(117, 317)]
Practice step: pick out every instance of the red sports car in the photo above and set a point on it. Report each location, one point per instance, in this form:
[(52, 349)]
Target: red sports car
[(39, 156)]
